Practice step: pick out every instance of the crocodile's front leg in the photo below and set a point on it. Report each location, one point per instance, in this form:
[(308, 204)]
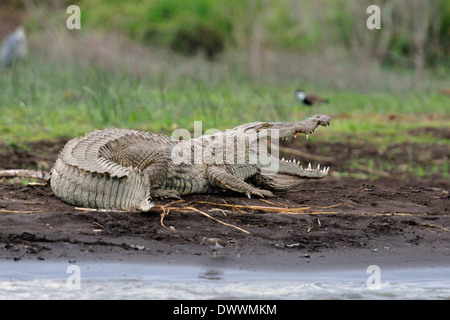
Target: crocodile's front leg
[(219, 177)]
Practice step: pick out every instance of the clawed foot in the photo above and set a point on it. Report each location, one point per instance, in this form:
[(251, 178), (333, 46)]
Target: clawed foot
[(260, 193)]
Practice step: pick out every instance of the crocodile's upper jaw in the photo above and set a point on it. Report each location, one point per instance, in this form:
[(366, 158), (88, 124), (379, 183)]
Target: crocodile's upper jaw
[(292, 129)]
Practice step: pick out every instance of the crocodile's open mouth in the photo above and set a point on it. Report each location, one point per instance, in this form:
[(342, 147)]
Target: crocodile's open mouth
[(294, 167), (276, 131)]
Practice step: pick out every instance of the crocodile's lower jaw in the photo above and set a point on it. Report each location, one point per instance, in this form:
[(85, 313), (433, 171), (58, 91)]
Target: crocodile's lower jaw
[(309, 172)]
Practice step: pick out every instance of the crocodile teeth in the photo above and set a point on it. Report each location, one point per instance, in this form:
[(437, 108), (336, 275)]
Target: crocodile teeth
[(309, 166), (307, 136), (295, 135)]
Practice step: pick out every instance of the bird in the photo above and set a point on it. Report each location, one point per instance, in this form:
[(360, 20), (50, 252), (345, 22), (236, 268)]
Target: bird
[(14, 48), (309, 99), (214, 243)]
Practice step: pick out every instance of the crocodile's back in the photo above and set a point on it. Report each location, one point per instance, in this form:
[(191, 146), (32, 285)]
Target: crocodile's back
[(84, 174)]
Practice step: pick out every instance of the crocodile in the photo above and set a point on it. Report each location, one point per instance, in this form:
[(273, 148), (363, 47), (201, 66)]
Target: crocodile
[(125, 169)]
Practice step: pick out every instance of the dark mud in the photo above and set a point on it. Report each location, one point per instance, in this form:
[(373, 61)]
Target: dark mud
[(397, 217)]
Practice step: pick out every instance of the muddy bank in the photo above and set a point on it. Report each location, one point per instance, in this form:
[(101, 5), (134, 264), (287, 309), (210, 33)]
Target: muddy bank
[(333, 221)]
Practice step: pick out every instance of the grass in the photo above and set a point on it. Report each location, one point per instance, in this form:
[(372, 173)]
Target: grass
[(43, 100)]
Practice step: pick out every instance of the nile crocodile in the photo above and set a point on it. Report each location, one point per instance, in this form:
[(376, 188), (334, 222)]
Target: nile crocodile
[(123, 169)]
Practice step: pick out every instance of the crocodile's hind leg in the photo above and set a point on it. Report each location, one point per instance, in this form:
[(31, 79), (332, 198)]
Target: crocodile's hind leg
[(221, 178)]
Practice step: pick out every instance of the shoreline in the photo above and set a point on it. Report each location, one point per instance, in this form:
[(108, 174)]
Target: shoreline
[(291, 261)]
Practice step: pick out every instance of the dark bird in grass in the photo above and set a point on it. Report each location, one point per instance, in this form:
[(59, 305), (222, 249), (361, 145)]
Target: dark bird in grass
[(214, 243), (309, 99)]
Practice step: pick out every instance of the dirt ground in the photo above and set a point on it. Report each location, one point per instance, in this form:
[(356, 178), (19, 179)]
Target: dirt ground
[(397, 217)]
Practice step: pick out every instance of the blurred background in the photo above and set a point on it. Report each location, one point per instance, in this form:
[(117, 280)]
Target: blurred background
[(161, 64)]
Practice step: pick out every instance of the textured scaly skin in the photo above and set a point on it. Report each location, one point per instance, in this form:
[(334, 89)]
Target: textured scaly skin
[(123, 169)]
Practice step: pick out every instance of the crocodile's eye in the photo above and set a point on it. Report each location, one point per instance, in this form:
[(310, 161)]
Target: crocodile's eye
[(264, 126)]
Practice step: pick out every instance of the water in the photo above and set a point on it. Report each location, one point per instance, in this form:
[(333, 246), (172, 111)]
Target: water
[(57, 280)]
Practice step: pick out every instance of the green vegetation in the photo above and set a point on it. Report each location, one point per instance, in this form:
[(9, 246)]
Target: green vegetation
[(413, 31), (185, 26), (44, 100)]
